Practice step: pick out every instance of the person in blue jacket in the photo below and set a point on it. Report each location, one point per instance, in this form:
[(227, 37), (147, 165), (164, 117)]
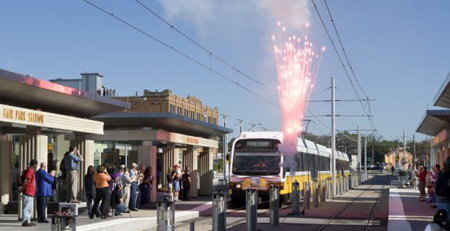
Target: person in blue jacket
[(44, 182)]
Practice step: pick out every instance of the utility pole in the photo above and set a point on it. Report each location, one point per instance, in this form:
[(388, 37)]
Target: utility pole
[(414, 153), (404, 150), (225, 150), (373, 150), (365, 156), (240, 125), (359, 151), (333, 136), (253, 126)]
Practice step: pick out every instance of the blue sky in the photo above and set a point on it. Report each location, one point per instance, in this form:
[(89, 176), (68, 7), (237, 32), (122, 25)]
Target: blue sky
[(400, 51)]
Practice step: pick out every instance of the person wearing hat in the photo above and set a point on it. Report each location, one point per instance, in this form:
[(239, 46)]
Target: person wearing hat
[(442, 188), (28, 190)]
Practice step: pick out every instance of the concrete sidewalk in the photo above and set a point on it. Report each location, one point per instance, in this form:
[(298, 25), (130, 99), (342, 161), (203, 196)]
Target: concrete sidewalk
[(135, 221), (406, 212)]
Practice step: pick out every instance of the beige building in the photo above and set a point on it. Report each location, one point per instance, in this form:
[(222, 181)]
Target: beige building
[(167, 102), (395, 159)]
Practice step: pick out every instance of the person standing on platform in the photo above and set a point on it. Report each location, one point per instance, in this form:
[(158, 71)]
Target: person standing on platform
[(133, 187), (28, 190), (89, 187), (102, 191), (169, 180), (71, 161), (146, 186), (442, 188), (176, 177), (126, 185), (422, 182), (392, 169), (186, 176), (44, 182)]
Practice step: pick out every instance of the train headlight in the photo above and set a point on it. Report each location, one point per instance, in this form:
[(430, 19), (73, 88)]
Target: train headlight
[(238, 185)]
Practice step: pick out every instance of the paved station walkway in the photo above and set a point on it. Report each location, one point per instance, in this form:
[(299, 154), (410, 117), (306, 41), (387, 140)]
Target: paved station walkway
[(406, 212), (134, 221), (358, 209)]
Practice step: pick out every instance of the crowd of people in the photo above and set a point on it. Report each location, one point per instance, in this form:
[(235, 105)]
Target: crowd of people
[(103, 91), (107, 187), (437, 183)]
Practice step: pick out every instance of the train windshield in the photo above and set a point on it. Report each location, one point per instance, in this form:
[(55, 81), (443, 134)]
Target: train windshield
[(254, 163)]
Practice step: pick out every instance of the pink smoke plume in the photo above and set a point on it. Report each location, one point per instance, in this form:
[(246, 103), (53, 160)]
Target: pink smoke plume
[(297, 67)]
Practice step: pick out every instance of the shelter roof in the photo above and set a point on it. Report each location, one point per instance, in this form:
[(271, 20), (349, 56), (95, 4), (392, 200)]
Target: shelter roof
[(28, 92)]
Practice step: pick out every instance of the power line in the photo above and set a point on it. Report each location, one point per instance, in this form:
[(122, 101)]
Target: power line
[(348, 62), (341, 61), (202, 47), (343, 50), (179, 52)]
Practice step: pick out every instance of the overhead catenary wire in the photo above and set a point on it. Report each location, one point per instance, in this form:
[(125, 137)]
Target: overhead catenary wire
[(342, 62), (179, 52), (202, 47), (348, 62)]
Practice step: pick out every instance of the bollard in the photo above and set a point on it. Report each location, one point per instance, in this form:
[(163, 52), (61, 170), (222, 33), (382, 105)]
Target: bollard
[(192, 226), (341, 181), (251, 216), (165, 212), (308, 196), (316, 194), (329, 186), (219, 211), (324, 191), (296, 198), (274, 205)]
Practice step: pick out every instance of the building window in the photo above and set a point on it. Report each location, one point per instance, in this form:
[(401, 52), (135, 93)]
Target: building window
[(185, 112), (172, 109), (192, 115), (179, 110), (198, 116)]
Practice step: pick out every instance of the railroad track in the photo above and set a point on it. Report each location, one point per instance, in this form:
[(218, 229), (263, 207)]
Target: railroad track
[(372, 213)]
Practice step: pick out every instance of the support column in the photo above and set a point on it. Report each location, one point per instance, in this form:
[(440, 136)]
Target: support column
[(5, 173), (206, 172), (147, 156), (33, 145), (167, 162), (87, 151), (191, 160)]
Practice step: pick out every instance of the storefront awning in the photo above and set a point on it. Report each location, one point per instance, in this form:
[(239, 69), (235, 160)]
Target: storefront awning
[(442, 98), (434, 121), (28, 92), (165, 121)]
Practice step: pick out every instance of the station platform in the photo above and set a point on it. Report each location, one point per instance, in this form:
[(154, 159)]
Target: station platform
[(406, 212), (140, 220)]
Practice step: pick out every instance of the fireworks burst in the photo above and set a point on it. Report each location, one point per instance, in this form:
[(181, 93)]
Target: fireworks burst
[(297, 67)]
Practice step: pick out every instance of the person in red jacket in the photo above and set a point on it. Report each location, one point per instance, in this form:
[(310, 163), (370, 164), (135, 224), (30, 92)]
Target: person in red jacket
[(422, 178), (28, 190)]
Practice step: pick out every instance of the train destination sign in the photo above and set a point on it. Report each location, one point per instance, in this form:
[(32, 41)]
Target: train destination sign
[(259, 144)]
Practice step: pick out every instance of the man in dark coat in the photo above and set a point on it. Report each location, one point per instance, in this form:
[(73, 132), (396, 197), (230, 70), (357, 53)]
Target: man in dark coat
[(44, 182)]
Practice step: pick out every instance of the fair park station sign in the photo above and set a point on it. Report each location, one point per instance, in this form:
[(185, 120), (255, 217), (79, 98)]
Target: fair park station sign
[(18, 115)]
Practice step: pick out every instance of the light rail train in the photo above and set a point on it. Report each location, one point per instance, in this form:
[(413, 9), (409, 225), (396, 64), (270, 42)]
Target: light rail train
[(256, 162)]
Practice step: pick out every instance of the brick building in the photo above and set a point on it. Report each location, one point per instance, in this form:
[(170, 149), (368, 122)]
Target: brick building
[(394, 159), (167, 102)]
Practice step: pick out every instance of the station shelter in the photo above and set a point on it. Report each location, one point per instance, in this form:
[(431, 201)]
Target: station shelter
[(40, 120), (436, 123)]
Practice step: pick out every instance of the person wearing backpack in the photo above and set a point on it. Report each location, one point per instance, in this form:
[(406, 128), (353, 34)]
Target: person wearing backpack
[(28, 190), (442, 187)]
